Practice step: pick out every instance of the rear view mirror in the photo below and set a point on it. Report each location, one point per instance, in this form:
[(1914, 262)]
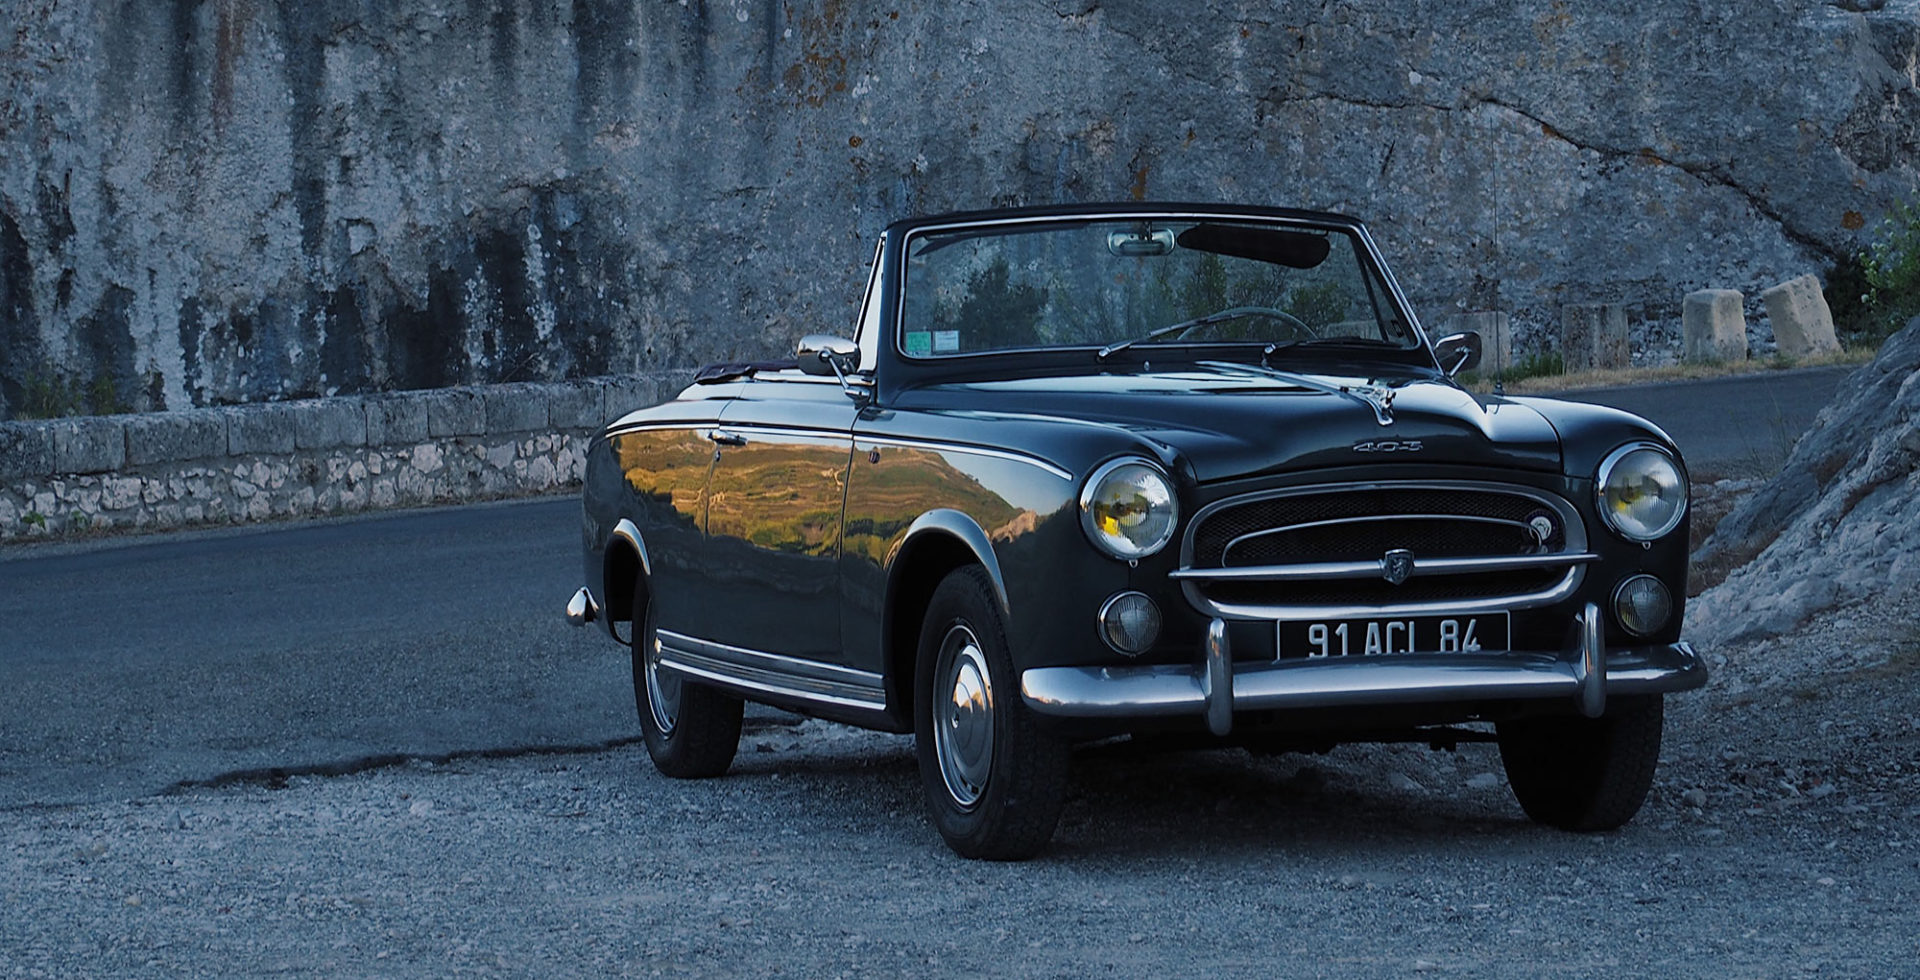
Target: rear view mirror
[(823, 354), (1457, 352)]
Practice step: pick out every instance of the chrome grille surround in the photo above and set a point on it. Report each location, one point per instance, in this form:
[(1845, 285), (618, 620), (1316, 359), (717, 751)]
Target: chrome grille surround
[(1473, 582)]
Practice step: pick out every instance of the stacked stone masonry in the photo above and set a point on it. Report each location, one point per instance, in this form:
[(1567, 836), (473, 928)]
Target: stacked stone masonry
[(71, 476)]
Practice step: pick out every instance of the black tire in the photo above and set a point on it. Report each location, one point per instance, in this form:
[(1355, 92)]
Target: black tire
[(994, 782), (691, 730), (1585, 774)]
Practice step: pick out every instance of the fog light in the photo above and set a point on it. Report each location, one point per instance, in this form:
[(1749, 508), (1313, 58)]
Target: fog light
[(1130, 622), (1642, 604)]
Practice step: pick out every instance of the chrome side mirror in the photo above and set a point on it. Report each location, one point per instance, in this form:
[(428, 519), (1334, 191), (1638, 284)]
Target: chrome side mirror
[(1457, 352), (827, 355)]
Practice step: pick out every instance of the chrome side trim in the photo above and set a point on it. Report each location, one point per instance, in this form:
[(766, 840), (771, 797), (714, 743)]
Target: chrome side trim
[(863, 439), (1160, 691), (755, 672)]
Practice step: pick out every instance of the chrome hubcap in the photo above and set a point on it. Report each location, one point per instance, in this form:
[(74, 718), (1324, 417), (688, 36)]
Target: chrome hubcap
[(963, 717), (663, 686)]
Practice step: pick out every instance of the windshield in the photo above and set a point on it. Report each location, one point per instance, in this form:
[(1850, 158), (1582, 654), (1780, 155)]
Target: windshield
[(1120, 283)]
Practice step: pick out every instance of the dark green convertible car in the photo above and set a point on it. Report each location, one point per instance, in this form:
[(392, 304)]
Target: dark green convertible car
[(1080, 472)]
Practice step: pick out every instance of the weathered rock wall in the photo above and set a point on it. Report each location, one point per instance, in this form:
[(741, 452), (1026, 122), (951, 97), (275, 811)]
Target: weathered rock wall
[(316, 457), (214, 201)]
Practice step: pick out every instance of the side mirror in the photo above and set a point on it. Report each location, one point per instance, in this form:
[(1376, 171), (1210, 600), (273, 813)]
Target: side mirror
[(1457, 352), (827, 355)]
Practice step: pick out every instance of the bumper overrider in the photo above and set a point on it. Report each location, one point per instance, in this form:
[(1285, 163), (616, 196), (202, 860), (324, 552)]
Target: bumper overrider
[(1584, 672)]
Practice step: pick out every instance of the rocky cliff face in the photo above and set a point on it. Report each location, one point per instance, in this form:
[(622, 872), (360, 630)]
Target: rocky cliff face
[(208, 201), (1840, 523)]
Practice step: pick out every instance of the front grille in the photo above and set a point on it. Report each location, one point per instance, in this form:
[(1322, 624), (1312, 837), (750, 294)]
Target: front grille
[(1337, 537)]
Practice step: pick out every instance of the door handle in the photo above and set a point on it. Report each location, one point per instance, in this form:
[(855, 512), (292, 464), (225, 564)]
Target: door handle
[(726, 438)]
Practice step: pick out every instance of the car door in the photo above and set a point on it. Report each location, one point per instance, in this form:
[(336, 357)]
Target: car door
[(774, 512)]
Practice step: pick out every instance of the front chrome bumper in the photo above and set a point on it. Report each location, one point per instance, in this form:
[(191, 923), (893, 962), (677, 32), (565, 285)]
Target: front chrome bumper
[(1584, 673)]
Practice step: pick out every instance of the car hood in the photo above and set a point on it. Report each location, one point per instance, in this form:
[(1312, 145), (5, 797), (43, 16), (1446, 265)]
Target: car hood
[(1230, 423)]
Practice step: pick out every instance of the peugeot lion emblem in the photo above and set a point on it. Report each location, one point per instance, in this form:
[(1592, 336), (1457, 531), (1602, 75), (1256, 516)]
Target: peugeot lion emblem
[(1396, 565)]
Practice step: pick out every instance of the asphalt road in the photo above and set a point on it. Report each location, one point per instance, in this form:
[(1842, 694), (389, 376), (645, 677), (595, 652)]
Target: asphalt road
[(128, 666), (1739, 426)]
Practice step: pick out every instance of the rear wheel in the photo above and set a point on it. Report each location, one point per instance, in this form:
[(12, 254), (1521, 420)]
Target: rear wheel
[(994, 782), (1585, 774), (691, 730)]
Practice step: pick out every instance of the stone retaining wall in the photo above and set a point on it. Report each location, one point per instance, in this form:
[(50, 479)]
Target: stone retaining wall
[(69, 476)]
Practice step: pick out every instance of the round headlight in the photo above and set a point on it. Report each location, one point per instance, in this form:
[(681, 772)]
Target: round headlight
[(1128, 508), (1130, 622), (1642, 604), (1641, 492)]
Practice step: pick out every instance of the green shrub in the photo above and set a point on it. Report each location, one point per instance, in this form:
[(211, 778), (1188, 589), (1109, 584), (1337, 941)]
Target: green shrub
[(1890, 268)]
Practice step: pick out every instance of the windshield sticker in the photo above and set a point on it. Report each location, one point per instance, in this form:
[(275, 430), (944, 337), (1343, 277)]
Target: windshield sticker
[(919, 343), (946, 341)]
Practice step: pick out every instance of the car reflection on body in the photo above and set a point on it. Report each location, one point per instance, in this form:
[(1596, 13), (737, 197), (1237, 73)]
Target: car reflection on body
[(1090, 471)]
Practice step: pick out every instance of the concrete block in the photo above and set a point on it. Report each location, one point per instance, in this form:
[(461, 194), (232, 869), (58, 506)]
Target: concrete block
[(27, 452), (455, 412), (397, 420), (1714, 325), (576, 406), (163, 437), (1496, 337), (1593, 335), (330, 423), (89, 445), (626, 392), (516, 408), (259, 429), (1802, 323)]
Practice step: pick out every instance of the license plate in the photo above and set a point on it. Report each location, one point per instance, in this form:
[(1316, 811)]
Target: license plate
[(1382, 635)]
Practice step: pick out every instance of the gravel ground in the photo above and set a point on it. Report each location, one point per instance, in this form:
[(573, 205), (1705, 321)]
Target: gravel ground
[(1780, 841)]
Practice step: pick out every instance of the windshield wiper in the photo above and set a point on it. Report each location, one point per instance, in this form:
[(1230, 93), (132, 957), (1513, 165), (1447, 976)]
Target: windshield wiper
[(1233, 313)]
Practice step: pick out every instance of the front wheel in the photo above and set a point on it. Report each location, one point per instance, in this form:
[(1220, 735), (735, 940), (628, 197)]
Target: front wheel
[(994, 782), (1584, 774), (691, 730)]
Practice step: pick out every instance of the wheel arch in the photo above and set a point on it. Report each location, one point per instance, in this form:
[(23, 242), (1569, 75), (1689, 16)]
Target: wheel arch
[(626, 569), (938, 542)]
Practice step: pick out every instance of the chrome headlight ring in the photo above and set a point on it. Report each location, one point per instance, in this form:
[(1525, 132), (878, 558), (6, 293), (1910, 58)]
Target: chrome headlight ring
[(1640, 491), (1128, 508)]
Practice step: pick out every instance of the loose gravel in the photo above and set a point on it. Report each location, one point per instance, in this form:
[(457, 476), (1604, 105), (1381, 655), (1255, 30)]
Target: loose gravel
[(1779, 841)]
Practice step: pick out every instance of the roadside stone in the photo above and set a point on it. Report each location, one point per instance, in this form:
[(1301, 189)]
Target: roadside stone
[(88, 445), (395, 420), (516, 408), (455, 412), (1715, 325), (255, 429), (330, 423), (1593, 335), (1802, 323), (26, 451), (1696, 798), (173, 436)]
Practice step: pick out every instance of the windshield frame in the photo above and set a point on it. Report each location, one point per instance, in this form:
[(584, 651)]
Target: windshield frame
[(1383, 291)]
